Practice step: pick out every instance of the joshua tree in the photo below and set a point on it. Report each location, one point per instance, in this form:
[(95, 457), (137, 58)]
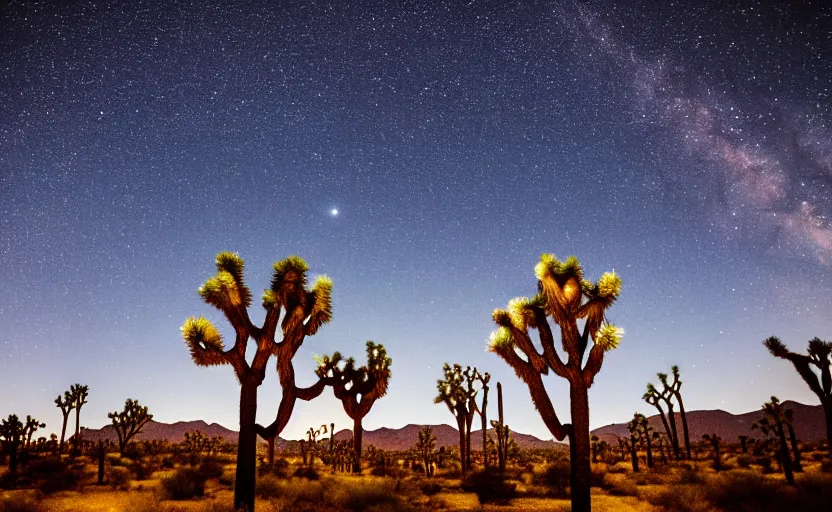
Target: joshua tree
[(595, 447), (304, 312), (29, 428), (744, 444), (357, 388), (66, 406), (667, 396), (661, 443), (482, 411), (654, 398), (79, 399), (635, 434), (502, 430), (129, 422), (774, 423), (645, 432), (457, 392), (817, 361), (12, 431), (425, 446), (673, 389), (566, 297), (714, 440)]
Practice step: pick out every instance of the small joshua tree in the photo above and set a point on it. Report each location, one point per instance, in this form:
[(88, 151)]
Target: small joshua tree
[(29, 428), (714, 440), (773, 423), (565, 297), (666, 396), (79, 395), (425, 445), (788, 421), (12, 430), (129, 422), (817, 360), (503, 432), (65, 405), (645, 433), (304, 312), (357, 388), (457, 392)]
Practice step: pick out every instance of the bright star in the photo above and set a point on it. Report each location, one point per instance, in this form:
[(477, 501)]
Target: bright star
[(334, 212)]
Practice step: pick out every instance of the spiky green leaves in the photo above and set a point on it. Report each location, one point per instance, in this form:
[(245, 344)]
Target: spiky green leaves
[(500, 340), (320, 300), (819, 349), (560, 282), (608, 337), (204, 341), (288, 281)]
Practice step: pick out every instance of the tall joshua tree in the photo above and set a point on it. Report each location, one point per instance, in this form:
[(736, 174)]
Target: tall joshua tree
[(818, 360), (673, 389), (304, 312), (482, 410), (457, 392), (129, 422), (357, 388), (565, 297), (79, 395), (66, 406), (654, 398)]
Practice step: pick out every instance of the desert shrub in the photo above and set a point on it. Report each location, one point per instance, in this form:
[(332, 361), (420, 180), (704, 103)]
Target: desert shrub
[(618, 468), (765, 464), (268, 487), (119, 478), (142, 470), (598, 477), (227, 478), (51, 475), (8, 481), (691, 475), (184, 484), (749, 491), (167, 462), (744, 461), (211, 468), (815, 490), (826, 466), (430, 488), (281, 468), (556, 476), (682, 498), (490, 487), (307, 473), (296, 494), (623, 487), (20, 504), (366, 495)]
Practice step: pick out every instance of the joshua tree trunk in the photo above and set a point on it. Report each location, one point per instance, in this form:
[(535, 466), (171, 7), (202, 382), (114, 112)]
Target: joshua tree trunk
[(484, 418), (798, 466), (101, 462), (684, 424), (460, 421), (270, 447), (827, 411), (247, 449), (674, 435), (649, 448), (785, 457), (469, 420), (358, 437), (63, 433), (579, 447), (77, 439), (634, 455)]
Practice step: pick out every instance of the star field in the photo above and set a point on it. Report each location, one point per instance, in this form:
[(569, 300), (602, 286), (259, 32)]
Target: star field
[(422, 154)]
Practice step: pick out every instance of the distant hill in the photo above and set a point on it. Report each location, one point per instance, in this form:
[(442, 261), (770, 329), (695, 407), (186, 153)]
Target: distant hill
[(173, 432), (384, 438), (809, 424)]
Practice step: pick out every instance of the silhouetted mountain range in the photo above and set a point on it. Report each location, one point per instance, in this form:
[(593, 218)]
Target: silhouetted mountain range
[(809, 424)]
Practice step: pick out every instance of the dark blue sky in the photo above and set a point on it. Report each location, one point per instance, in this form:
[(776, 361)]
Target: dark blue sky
[(687, 148)]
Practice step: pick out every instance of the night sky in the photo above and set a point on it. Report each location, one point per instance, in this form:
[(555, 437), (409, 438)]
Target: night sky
[(686, 146)]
